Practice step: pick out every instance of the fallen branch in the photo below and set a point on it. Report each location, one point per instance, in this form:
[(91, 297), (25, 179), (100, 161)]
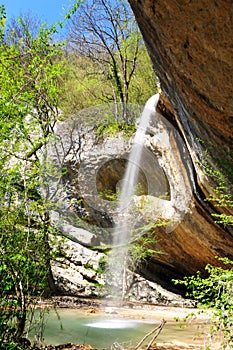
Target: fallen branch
[(158, 329), (117, 346)]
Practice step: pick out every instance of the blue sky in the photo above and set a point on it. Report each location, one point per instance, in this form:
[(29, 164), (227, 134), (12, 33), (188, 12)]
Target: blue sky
[(49, 11)]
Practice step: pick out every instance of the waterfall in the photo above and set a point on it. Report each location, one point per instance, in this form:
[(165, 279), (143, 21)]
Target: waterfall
[(124, 227)]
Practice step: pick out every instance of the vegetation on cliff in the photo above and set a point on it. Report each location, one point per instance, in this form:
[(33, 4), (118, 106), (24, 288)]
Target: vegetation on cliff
[(213, 291)]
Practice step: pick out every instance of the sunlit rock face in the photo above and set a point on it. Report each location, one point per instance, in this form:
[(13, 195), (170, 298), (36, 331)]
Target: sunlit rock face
[(190, 44)]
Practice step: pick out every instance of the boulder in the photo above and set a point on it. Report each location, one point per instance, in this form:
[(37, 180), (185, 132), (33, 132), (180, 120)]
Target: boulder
[(76, 271)]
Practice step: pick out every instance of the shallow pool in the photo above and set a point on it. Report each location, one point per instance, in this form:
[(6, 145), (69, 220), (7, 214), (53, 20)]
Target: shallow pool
[(101, 332)]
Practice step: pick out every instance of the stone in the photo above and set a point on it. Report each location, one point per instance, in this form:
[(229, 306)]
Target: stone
[(190, 45), (75, 233), (76, 272)]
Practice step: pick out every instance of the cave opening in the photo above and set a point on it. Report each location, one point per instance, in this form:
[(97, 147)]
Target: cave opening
[(110, 175)]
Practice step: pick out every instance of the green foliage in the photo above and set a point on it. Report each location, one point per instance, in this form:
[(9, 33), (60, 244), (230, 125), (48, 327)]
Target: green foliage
[(223, 219), (83, 86), (103, 264), (215, 293), (108, 62), (3, 19), (139, 250), (23, 275), (29, 90), (112, 129), (109, 195), (143, 241), (74, 8), (221, 190)]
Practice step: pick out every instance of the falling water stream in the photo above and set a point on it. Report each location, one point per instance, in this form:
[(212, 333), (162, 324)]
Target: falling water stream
[(124, 225)]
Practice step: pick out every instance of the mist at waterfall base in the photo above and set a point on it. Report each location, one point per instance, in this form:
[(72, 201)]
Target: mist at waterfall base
[(124, 226)]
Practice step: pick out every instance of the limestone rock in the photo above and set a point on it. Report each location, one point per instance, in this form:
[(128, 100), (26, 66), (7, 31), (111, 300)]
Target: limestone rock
[(76, 272), (75, 233)]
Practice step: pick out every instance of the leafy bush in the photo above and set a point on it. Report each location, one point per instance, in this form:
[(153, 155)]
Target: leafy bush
[(215, 293), (29, 90), (112, 129)]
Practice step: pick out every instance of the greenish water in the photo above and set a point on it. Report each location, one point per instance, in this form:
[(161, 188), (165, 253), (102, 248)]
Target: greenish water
[(101, 332)]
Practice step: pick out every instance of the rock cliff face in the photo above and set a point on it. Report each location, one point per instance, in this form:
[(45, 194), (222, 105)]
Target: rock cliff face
[(190, 44)]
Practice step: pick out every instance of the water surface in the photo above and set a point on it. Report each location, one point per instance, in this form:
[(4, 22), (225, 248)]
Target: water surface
[(78, 327)]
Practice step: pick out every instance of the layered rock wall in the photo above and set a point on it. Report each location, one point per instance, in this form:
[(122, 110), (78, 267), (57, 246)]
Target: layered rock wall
[(190, 45)]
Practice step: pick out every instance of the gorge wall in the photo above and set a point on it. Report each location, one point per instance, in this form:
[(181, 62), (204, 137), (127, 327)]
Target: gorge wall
[(190, 45)]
